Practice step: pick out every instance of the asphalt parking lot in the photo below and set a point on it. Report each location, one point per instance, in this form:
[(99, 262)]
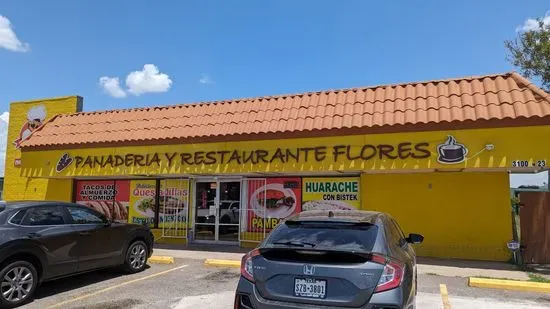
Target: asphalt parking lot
[(189, 284), (160, 286)]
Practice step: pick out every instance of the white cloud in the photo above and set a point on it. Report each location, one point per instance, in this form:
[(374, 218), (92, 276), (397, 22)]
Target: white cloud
[(205, 79), (533, 24), (111, 86), (4, 118), (8, 38), (148, 80)]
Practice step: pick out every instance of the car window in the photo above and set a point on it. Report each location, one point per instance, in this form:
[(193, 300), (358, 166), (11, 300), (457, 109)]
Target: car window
[(43, 215), (18, 217), (333, 236), (84, 216)]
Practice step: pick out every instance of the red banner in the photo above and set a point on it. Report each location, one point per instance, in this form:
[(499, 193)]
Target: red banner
[(109, 197), (271, 200)]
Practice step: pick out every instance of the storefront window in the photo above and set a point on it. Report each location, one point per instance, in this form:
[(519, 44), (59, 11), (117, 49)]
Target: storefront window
[(143, 202), (173, 210), (109, 197), (270, 200)]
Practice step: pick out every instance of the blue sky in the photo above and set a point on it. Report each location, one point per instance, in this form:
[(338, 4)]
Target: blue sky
[(246, 48)]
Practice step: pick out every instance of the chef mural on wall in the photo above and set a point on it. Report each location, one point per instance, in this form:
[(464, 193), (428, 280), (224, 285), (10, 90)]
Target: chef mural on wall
[(451, 151), (36, 116)]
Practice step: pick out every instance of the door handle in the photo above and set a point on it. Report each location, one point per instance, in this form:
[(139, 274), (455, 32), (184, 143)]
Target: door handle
[(34, 235), (84, 233)]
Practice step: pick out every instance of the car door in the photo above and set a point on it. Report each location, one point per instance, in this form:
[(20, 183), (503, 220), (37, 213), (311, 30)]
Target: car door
[(99, 242), (49, 227)]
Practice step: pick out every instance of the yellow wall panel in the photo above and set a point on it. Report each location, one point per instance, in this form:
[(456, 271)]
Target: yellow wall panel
[(461, 215)]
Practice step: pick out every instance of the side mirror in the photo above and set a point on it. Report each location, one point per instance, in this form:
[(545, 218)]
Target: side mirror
[(415, 239)]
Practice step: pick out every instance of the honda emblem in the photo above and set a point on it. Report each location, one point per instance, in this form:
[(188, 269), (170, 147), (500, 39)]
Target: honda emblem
[(309, 269)]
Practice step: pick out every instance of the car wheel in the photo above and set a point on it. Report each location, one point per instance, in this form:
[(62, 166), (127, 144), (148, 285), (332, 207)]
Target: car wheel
[(18, 281), (136, 257)]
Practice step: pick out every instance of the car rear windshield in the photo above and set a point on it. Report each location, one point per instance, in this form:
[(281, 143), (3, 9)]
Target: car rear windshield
[(327, 235)]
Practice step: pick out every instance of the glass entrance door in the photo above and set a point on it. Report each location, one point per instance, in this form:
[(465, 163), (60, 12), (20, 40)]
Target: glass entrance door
[(229, 212), (217, 210)]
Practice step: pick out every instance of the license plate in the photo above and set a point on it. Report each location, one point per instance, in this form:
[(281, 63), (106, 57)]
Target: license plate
[(311, 288)]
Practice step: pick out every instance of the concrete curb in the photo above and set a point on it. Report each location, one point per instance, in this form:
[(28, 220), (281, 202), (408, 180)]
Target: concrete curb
[(223, 263), (157, 259), (509, 285)]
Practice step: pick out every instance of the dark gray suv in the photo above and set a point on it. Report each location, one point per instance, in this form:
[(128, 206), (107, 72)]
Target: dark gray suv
[(331, 259)]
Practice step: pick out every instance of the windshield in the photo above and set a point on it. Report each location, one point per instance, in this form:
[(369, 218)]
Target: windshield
[(341, 237)]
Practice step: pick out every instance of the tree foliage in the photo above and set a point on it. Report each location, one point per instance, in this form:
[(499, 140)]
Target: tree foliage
[(530, 51)]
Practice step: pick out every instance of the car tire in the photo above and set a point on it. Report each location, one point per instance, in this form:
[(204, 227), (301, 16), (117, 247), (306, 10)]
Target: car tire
[(136, 256), (27, 280)]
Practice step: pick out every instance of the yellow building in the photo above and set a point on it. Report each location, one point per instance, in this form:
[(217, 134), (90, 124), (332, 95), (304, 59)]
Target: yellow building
[(436, 155)]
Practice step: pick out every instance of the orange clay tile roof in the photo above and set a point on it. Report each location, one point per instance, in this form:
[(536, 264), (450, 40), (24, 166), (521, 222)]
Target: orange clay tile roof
[(505, 97)]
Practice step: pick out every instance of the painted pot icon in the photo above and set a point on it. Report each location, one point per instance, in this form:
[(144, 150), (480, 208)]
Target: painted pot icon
[(451, 152)]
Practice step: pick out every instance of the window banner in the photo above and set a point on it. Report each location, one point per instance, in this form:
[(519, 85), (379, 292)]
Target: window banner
[(142, 202), (174, 201), (278, 199), (109, 197), (331, 193)]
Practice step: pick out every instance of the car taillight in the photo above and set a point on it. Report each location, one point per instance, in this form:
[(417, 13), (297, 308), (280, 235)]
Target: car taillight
[(247, 268), (392, 275)]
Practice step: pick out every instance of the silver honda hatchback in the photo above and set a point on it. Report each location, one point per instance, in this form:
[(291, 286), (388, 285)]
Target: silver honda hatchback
[(331, 259)]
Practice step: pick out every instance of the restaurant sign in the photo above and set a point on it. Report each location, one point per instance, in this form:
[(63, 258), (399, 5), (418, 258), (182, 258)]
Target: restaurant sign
[(503, 148), (331, 193), (279, 155)]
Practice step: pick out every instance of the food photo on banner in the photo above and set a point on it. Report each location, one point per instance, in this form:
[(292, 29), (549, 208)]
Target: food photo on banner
[(271, 200), (331, 193), (109, 197)]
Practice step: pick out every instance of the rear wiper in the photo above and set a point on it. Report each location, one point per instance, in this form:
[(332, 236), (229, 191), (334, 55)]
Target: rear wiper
[(295, 243)]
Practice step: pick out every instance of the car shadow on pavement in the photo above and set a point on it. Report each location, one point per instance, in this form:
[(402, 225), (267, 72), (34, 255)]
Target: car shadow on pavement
[(51, 288)]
